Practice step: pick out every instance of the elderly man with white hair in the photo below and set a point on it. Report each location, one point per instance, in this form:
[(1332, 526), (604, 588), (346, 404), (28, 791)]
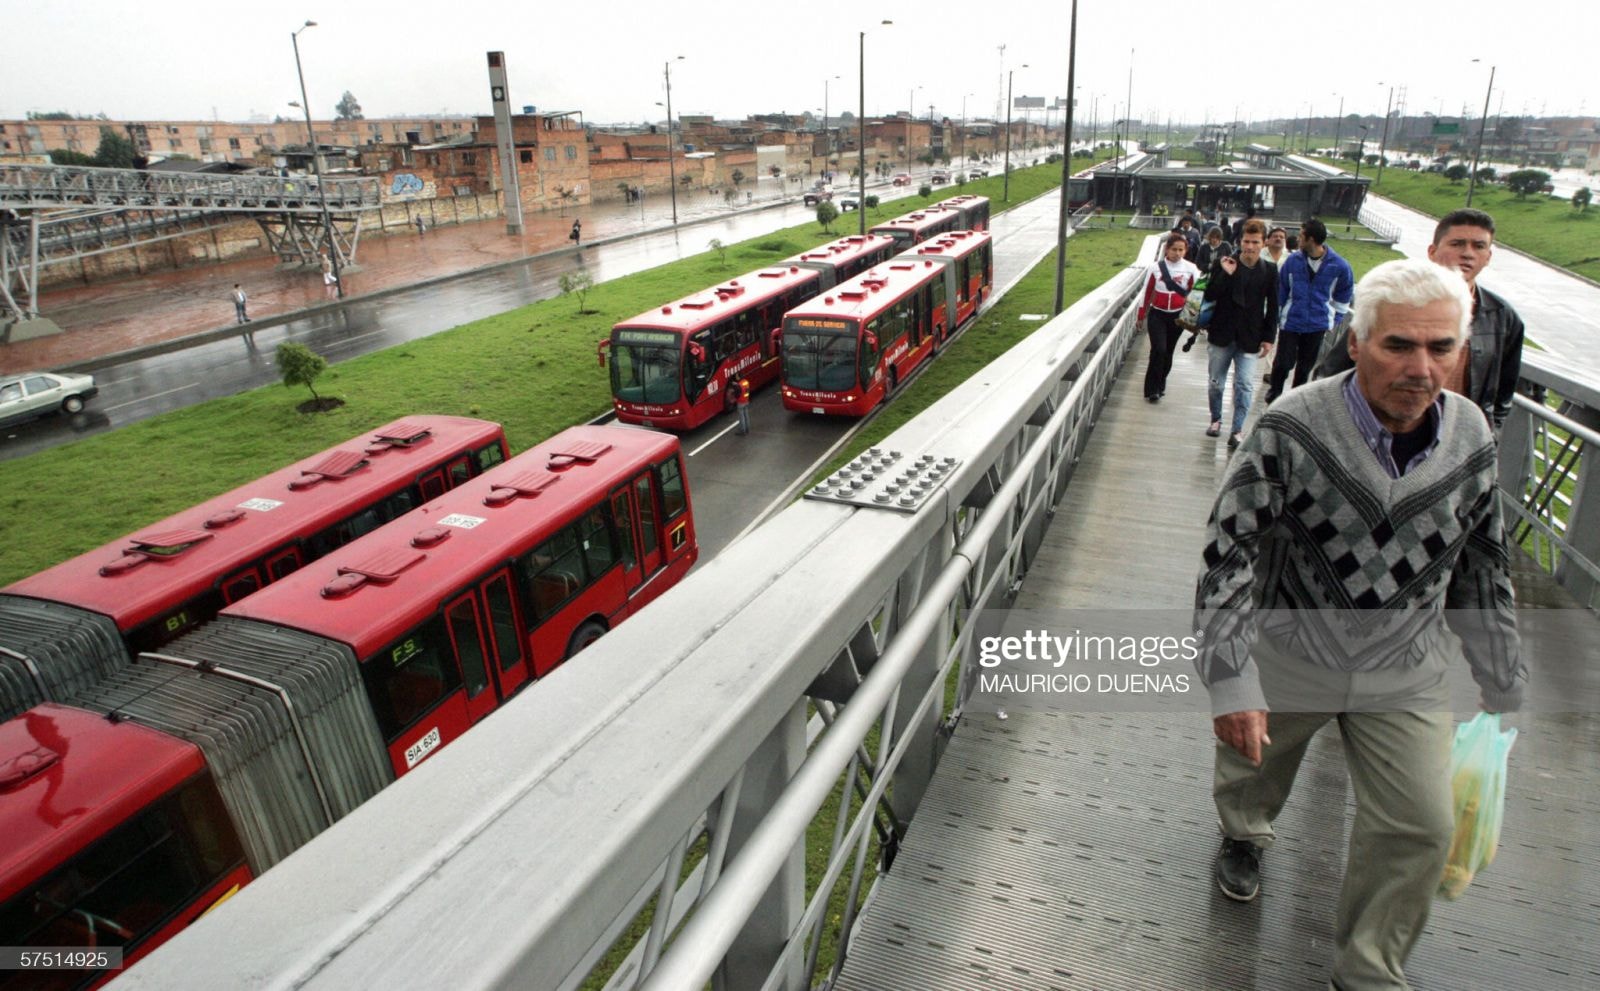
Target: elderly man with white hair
[(1359, 510)]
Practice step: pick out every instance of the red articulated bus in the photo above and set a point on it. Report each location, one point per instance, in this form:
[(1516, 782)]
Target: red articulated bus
[(156, 793), (679, 365), (68, 626), (974, 211), (847, 352), (845, 258), (911, 229)]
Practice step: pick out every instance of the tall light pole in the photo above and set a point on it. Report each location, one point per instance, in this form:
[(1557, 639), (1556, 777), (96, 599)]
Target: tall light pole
[(316, 161), (1355, 196), (1472, 180), (1383, 145), (1338, 128), (672, 160), (1006, 185), (827, 135), (861, 140), (911, 113), (1064, 217), (964, 126)]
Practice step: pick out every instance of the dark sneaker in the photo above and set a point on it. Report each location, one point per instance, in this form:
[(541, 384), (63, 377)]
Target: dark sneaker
[(1239, 869), (1235, 441)]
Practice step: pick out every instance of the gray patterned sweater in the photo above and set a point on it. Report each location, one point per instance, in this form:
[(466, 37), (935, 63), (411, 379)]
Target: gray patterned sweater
[(1307, 519)]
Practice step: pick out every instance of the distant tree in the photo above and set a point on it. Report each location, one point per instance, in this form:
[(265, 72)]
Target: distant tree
[(827, 213), (51, 115), (115, 151), (1486, 174), (1525, 181), (871, 202), (300, 365), (715, 244), (64, 156), (348, 107), (1351, 155), (1456, 173), (577, 283), (846, 115), (1580, 199), (924, 190), (1373, 159)]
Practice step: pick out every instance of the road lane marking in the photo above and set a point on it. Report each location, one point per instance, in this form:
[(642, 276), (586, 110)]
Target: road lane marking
[(713, 440), (135, 402)]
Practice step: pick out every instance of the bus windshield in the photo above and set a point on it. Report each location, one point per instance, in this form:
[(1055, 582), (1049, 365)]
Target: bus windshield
[(819, 354), (645, 366)]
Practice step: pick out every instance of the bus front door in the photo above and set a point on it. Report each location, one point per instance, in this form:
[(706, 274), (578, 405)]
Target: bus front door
[(508, 647), (468, 644), (645, 506)]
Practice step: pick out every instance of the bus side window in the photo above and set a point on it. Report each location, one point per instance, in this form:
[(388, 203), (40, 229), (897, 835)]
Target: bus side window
[(239, 585), (555, 574), (282, 565), (673, 502), (410, 678), (460, 470), (649, 525), (488, 457), (433, 485)]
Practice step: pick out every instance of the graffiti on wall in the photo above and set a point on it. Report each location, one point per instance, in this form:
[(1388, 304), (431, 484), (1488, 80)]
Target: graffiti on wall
[(408, 186)]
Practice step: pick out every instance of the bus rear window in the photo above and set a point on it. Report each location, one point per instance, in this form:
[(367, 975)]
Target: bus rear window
[(134, 880), (673, 501)]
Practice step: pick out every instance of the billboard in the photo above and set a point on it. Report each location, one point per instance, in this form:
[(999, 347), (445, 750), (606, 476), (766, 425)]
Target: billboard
[(1028, 103)]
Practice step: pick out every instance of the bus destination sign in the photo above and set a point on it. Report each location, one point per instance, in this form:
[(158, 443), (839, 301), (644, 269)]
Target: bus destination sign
[(630, 335)]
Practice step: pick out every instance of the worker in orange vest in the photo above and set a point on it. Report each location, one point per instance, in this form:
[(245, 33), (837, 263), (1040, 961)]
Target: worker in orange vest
[(744, 406)]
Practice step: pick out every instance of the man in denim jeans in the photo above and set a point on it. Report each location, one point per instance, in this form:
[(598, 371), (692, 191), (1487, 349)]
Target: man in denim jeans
[(1243, 325)]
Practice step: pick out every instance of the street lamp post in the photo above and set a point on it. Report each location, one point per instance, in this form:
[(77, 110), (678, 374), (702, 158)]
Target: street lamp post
[(1064, 213), (1006, 185), (672, 160), (1338, 127), (861, 139), (1472, 180), (911, 113), (1383, 144), (316, 161), (827, 135), (1355, 200), (964, 126)]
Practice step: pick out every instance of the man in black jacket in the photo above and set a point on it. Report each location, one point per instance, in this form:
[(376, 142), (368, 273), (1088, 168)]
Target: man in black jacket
[(1243, 325), (1464, 240)]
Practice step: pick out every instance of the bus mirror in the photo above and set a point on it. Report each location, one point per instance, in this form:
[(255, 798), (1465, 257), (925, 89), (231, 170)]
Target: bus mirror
[(697, 352), (777, 338), (870, 340), (600, 352)]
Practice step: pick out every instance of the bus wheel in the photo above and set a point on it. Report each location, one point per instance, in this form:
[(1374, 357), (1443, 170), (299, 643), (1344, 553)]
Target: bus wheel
[(585, 635)]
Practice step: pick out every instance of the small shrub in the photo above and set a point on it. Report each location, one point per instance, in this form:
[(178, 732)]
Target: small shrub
[(1580, 199), (827, 213), (579, 282), (1525, 181), (924, 190), (871, 201), (299, 365), (1456, 173), (715, 244)]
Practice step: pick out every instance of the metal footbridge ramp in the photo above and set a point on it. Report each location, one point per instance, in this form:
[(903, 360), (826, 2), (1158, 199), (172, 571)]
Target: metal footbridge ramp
[(770, 779), (59, 215)]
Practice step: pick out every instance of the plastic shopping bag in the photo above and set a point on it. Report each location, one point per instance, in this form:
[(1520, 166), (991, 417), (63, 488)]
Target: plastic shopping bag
[(1196, 309), (1478, 781)]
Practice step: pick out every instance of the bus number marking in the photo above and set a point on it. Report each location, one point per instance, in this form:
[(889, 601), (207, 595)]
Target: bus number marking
[(405, 652), (462, 521), (422, 748), (261, 505), (176, 622)]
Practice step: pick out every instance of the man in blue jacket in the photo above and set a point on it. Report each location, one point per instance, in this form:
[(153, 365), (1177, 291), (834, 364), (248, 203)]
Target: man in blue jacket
[(1315, 288)]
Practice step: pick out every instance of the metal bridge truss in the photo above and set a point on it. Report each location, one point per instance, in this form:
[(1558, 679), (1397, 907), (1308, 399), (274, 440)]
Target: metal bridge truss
[(54, 214), (682, 735)]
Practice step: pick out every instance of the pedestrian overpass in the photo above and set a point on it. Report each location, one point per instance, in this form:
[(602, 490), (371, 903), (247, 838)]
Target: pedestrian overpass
[(60, 215), (673, 792)]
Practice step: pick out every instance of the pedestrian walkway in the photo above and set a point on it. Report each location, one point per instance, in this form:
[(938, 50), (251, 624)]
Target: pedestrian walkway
[(1072, 848), (113, 317)]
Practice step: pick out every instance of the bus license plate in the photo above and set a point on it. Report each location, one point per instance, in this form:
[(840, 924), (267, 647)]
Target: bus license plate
[(422, 748)]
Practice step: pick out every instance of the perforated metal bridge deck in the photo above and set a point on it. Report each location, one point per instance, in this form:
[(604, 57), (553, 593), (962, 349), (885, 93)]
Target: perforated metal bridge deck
[(1074, 850)]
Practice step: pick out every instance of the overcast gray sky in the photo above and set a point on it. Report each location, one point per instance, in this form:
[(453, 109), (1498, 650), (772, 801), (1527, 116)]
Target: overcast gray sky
[(1270, 58)]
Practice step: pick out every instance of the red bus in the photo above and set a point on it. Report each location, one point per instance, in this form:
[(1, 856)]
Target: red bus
[(974, 211), (68, 626), (845, 258), (679, 365), (847, 352), (242, 740), (911, 229)]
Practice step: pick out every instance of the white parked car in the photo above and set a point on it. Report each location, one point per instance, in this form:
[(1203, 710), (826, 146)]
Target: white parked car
[(25, 395)]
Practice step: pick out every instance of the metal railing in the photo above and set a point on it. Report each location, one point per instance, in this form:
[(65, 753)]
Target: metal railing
[(55, 186), (687, 726)]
